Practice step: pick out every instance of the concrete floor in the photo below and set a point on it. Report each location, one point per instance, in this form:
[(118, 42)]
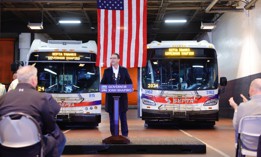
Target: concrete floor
[(219, 140)]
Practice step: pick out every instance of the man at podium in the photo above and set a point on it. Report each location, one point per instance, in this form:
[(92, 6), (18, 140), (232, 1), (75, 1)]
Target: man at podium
[(117, 75)]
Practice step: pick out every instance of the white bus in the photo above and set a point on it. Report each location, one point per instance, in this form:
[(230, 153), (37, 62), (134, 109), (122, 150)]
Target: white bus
[(180, 82), (66, 69)]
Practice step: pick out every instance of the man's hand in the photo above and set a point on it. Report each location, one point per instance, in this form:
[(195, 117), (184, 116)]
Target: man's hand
[(232, 103), (243, 98)]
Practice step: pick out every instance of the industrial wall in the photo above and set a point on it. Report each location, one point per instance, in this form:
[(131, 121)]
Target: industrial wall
[(238, 44), (6, 58)]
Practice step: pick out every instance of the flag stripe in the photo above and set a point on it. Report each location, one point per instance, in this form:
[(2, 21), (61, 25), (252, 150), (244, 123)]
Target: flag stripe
[(117, 31), (113, 31), (109, 41), (144, 44), (102, 38), (121, 36), (129, 31), (138, 32), (141, 38), (133, 37), (125, 36), (99, 40), (105, 37)]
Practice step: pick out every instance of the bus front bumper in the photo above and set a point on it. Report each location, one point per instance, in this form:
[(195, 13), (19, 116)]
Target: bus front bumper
[(79, 117), (206, 115)]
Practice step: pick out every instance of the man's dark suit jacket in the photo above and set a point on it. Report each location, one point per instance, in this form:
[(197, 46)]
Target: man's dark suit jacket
[(41, 106), (123, 78)]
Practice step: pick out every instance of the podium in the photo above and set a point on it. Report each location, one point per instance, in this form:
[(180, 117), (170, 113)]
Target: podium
[(114, 89)]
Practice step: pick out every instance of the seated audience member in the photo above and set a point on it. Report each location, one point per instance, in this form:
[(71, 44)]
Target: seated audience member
[(247, 108), (13, 83), (41, 106), (2, 89)]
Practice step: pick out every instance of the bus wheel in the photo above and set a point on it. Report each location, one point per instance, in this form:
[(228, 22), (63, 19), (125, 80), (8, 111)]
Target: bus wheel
[(207, 124)]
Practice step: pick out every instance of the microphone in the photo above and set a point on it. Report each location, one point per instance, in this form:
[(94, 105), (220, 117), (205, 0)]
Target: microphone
[(114, 77), (119, 76)]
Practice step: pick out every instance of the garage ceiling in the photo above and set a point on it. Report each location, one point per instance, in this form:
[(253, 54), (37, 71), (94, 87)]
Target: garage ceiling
[(15, 16)]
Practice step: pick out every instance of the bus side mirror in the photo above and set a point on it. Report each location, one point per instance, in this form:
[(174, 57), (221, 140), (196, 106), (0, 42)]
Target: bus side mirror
[(223, 81)]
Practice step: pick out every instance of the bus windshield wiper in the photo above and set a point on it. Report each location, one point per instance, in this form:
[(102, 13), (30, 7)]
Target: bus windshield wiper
[(81, 97), (52, 85), (197, 95)]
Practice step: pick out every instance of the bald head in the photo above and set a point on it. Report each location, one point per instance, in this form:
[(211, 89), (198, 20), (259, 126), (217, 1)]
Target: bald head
[(255, 87), (27, 74)]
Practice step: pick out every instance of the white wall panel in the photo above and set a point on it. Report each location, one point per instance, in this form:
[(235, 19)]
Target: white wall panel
[(237, 39)]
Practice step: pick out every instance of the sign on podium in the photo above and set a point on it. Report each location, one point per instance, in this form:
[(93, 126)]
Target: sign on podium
[(116, 88)]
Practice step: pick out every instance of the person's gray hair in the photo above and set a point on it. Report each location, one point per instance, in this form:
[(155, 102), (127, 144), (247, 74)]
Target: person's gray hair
[(25, 73), (256, 84)]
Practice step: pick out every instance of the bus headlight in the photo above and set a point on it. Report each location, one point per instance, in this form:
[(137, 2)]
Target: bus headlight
[(211, 102), (148, 102)]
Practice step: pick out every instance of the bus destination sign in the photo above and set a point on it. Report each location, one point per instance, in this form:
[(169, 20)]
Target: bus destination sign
[(63, 56), (179, 52)]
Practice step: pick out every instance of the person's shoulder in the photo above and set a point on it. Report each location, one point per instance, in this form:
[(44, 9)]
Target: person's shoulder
[(245, 105), (46, 96), (33, 92), (123, 68), (15, 81), (107, 69), (37, 94)]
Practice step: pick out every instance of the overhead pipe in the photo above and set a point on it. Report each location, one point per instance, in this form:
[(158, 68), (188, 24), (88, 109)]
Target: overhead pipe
[(226, 10), (211, 5), (214, 2), (249, 5), (95, 9), (95, 1)]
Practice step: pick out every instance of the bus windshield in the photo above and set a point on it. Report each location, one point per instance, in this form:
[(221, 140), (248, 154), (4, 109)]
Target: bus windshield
[(180, 73), (67, 77)]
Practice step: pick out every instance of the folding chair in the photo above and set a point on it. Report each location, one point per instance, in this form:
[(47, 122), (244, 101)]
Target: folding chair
[(248, 133), (20, 132)]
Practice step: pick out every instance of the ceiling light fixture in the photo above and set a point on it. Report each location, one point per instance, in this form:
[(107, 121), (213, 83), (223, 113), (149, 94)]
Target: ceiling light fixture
[(207, 26), (35, 26), (69, 21), (198, 66), (176, 21)]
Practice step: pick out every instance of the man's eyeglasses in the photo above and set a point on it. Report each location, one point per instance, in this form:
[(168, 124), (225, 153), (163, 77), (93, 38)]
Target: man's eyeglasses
[(113, 58)]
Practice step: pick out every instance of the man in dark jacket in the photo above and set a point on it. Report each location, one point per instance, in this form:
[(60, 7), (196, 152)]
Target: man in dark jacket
[(117, 75), (41, 106)]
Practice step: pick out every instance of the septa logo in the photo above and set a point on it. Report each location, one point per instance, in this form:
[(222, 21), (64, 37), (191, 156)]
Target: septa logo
[(103, 88)]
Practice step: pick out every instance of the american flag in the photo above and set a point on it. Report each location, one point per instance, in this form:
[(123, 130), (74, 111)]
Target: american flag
[(122, 28)]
